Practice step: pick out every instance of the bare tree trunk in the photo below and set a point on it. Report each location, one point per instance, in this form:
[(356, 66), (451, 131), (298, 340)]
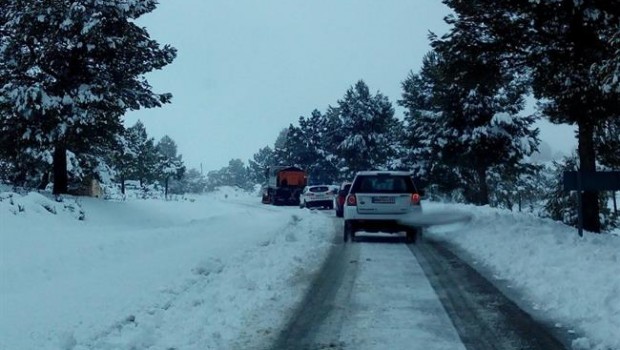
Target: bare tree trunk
[(45, 179), (123, 184), (587, 162), (61, 179), (613, 194), (483, 193), (166, 189)]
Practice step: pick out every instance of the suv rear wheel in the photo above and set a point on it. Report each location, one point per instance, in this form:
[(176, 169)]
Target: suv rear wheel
[(349, 232), (412, 235)]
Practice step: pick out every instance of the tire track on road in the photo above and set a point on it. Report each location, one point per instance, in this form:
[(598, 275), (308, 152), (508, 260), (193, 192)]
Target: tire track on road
[(484, 318), (317, 321)]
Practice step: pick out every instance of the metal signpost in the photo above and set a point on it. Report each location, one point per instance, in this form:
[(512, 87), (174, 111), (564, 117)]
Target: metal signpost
[(590, 181)]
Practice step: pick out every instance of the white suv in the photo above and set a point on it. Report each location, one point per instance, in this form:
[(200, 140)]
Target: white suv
[(317, 196), (378, 200)]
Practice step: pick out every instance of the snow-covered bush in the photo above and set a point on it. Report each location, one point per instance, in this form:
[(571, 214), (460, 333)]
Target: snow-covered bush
[(33, 203)]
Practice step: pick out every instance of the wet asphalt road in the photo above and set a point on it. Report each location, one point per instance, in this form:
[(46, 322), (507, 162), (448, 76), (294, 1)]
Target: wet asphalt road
[(478, 314)]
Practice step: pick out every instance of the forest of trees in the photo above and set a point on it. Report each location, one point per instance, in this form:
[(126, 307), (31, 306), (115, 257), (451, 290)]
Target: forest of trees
[(69, 73)]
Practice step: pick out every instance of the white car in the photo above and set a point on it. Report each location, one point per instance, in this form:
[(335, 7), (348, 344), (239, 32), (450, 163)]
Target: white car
[(317, 196), (378, 200)]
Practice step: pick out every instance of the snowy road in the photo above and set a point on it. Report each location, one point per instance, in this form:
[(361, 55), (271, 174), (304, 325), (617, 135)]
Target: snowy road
[(383, 294)]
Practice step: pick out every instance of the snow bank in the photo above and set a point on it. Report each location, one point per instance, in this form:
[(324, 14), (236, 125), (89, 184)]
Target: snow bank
[(215, 273), (568, 278), (34, 204)]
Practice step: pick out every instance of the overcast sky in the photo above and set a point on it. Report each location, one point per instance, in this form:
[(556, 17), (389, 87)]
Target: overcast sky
[(246, 69)]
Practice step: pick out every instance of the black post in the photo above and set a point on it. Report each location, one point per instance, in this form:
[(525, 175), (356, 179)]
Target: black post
[(579, 205)]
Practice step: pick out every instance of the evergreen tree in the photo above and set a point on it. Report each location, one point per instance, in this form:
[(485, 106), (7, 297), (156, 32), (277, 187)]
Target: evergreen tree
[(423, 99), (237, 175), (521, 185), (281, 152), (170, 164), (193, 182), (128, 153), (561, 45), (316, 131), (309, 146), (561, 205), (215, 178), (462, 121), (139, 157), (609, 69), (366, 122), (72, 67), (299, 150), (259, 163)]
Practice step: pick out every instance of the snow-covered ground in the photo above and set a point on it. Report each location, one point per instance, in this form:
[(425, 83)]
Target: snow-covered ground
[(570, 279), (220, 272), (223, 272)]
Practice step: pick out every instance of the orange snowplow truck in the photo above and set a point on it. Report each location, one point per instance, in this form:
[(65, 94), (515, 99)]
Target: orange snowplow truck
[(284, 185)]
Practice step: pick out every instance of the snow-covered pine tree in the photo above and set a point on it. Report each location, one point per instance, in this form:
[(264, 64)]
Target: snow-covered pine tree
[(609, 69), (420, 139), (462, 119), (561, 45), (520, 186), (129, 145), (561, 205), (281, 153), (259, 163), (301, 152), (170, 165), (70, 65), (235, 174), (238, 174), (484, 126), (322, 165), (215, 178), (193, 182), (366, 123), (135, 156)]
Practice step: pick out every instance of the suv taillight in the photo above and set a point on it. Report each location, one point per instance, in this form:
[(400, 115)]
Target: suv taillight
[(351, 200), (415, 199)]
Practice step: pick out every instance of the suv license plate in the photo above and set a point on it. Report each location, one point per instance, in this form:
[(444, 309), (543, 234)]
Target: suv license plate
[(383, 200)]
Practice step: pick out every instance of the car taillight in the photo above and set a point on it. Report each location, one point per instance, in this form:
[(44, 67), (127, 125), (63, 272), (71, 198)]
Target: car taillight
[(415, 199), (351, 200)]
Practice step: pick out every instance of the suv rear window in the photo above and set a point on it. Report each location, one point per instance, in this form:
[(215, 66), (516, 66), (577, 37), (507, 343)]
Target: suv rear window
[(383, 184), (318, 189)]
